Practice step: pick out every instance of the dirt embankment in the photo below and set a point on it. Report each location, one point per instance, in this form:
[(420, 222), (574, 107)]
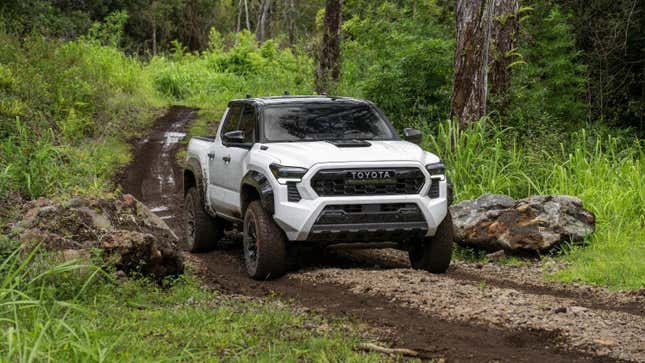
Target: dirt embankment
[(472, 313)]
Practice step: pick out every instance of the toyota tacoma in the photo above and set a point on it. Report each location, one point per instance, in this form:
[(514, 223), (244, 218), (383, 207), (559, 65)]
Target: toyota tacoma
[(294, 171)]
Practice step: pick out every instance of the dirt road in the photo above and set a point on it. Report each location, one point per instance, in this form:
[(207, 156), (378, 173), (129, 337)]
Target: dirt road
[(473, 313)]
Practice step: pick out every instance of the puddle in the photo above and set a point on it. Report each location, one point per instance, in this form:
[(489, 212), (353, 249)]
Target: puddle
[(172, 137)]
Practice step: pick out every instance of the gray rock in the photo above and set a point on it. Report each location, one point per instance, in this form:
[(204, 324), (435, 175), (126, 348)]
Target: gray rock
[(131, 238), (537, 223), (99, 220), (150, 219)]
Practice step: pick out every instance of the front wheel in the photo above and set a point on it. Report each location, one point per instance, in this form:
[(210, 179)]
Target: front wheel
[(433, 254), (265, 248)]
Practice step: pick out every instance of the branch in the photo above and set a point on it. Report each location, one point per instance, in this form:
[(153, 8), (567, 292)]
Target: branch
[(369, 347)]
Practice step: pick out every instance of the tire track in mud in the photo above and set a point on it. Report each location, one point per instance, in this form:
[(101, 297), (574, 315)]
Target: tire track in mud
[(369, 286), (154, 177)]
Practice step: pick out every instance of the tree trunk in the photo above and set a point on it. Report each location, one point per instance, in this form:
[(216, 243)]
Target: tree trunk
[(328, 71), (468, 101), (292, 12), (261, 29), (239, 16), (154, 35), (246, 10), (503, 34)]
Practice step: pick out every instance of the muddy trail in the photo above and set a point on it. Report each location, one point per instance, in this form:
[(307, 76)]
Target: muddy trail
[(473, 313)]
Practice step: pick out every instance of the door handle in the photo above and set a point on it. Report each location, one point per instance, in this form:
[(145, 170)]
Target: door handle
[(227, 159), (211, 156)]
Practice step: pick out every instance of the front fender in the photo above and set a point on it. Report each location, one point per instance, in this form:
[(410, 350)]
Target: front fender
[(262, 186)]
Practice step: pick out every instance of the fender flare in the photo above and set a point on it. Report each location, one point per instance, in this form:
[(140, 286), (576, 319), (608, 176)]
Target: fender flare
[(194, 166), (262, 186)]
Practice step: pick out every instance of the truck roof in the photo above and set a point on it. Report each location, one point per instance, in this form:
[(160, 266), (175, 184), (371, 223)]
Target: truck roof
[(271, 100)]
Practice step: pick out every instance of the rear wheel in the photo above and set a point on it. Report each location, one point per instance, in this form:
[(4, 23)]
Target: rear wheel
[(434, 253), (202, 231), (265, 250)]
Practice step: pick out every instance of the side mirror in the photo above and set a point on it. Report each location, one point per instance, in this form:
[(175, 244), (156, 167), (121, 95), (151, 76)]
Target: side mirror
[(412, 135), (234, 137)]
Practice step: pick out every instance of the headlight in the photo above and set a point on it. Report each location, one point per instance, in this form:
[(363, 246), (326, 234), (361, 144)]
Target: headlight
[(436, 169), (292, 173)]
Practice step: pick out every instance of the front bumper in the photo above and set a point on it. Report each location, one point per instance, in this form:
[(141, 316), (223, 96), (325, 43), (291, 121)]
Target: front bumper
[(301, 221)]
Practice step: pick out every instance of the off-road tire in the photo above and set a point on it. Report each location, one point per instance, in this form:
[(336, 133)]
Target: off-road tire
[(264, 244), (434, 253), (202, 232)]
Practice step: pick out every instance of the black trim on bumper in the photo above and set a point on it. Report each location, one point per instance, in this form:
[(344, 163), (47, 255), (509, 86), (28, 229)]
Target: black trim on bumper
[(396, 235), (369, 222)]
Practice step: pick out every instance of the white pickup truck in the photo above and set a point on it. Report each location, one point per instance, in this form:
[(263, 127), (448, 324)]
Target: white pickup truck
[(315, 170)]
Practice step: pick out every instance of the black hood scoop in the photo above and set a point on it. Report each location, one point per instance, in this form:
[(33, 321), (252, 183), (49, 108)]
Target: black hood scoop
[(350, 143)]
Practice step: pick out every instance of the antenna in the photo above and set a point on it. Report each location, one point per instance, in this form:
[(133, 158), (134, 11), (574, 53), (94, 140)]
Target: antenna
[(286, 93), (248, 96)]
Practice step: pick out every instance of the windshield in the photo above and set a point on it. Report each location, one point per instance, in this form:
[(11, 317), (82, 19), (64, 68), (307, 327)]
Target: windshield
[(324, 121)]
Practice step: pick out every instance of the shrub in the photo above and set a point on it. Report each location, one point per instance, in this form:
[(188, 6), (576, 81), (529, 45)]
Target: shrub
[(212, 78)]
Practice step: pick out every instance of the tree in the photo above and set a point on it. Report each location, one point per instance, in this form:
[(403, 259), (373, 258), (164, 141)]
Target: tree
[(468, 101), (261, 27), (504, 34), (611, 37), (328, 71)]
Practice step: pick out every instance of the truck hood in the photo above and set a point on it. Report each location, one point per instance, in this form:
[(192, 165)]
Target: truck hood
[(307, 154)]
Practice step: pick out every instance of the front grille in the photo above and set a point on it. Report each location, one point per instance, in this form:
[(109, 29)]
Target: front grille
[(377, 215), (375, 181), (292, 192)]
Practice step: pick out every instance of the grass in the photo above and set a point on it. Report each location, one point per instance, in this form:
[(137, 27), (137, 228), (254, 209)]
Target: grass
[(66, 111), (66, 311), (604, 171)]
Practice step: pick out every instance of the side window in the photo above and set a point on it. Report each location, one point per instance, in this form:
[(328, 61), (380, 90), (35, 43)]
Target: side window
[(232, 119), (247, 124)]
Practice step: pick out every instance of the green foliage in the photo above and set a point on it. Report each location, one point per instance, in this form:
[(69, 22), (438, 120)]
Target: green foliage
[(110, 31), (604, 171), (212, 78), (65, 112), (400, 57), (548, 80)]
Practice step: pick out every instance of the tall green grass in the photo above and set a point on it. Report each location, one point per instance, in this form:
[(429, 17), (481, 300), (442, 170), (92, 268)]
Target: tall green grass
[(604, 171), (66, 109), (38, 300), (70, 312)]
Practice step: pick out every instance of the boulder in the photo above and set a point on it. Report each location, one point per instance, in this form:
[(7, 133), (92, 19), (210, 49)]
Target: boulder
[(121, 230), (536, 223)]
